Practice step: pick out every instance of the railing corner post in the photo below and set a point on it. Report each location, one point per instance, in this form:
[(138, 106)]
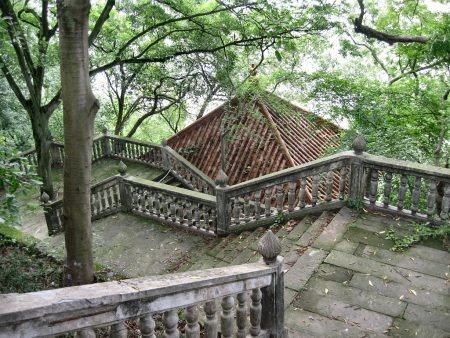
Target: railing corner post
[(357, 183), (223, 217), (272, 316), (106, 146), (165, 155), (124, 189)]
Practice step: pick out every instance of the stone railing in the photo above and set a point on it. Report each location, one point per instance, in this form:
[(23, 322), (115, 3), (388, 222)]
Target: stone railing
[(247, 300)]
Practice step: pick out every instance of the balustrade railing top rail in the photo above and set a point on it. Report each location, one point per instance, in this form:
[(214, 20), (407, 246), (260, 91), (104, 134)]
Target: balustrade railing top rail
[(83, 308)]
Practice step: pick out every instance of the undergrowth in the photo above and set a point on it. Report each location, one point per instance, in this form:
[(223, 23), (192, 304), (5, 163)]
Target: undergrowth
[(421, 233)]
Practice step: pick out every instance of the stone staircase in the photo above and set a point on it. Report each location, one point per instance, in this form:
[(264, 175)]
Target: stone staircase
[(341, 280)]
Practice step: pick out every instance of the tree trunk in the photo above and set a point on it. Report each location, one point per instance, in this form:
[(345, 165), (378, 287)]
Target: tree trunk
[(80, 107)]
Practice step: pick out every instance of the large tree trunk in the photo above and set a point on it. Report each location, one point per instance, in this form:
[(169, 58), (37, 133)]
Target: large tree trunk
[(80, 107), (42, 139)]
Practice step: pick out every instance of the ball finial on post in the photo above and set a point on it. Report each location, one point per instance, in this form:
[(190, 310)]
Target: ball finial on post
[(222, 179), (164, 142), (269, 247), (45, 198), (105, 130), (359, 144), (122, 169)]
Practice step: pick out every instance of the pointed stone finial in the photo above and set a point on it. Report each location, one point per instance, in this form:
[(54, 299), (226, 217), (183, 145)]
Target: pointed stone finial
[(269, 247), (122, 169), (222, 179), (105, 130), (164, 142), (359, 144), (45, 198)]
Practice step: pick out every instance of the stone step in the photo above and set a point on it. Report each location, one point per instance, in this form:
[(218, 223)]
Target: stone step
[(418, 264), (300, 228), (388, 272), (407, 329), (228, 253), (366, 299), (357, 235), (314, 230), (434, 317), (334, 273), (335, 230), (244, 256), (399, 291), (430, 254), (340, 309), (301, 323), (223, 243)]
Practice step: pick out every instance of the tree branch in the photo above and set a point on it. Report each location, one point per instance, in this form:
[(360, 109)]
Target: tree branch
[(100, 21), (381, 36), (402, 75)]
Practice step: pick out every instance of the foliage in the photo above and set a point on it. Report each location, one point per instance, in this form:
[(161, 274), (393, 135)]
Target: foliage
[(422, 232), (356, 203)]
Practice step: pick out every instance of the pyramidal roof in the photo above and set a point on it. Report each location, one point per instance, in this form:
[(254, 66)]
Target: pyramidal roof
[(264, 134)]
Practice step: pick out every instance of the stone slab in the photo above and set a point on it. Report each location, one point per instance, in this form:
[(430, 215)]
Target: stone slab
[(243, 256), (289, 296), (301, 323), (335, 230), (400, 291), (419, 314), (441, 270), (334, 273), (346, 246), (303, 269), (299, 229), (314, 230), (369, 238), (424, 252), (369, 300), (386, 271), (407, 329)]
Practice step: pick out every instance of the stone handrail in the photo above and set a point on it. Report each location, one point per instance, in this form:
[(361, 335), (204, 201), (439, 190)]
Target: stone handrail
[(187, 173), (171, 205), (249, 291)]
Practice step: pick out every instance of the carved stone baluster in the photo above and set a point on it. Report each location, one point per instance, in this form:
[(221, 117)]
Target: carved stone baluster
[(197, 216), (109, 197), (93, 206), (445, 202), (192, 327), (329, 186), (416, 196), (165, 201), (213, 225), (205, 217), (255, 313), (257, 204), (211, 319), (387, 189), (366, 181), (315, 189), (119, 330), (241, 315), (157, 204), (97, 202), (148, 326), (133, 150), (227, 316), (236, 210), (189, 213), (103, 201), (342, 182), (247, 208), (170, 321), (291, 195), (279, 198), (302, 194), (268, 202), (173, 209), (402, 192), (373, 187), (431, 198)]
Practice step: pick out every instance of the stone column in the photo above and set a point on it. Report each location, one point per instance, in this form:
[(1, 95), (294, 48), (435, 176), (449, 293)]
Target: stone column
[(223, 213), (272, 317), (124, 189), (357, 170), (106, 146), (165, 155)]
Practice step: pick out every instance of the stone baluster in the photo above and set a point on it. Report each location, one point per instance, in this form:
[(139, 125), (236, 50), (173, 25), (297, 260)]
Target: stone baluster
[(387, 189), (402, 192), (302, 193), (189, 213), (148, 326), (93, 205), (255, 313), (247, 208), (416, 196), (373, 187), (192, 327), (211, 319), (119, 330), (329, 186), (109, 197), (98, 205), (205, 217), (197, 216), (86, 333), (431, 199), (173, 209), (241, 315), (223, 202), (268, 202), (445, 202), (257, 204), (291, 195), (170, 321), (157, 203), (236, 210), (342, 182), (165, 201), (227, 316), (213, 225), (315, 189), (279, 198), (366, 182)]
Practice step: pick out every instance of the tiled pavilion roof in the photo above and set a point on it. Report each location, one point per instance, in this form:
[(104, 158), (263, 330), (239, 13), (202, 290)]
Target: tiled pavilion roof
[(266, 135)]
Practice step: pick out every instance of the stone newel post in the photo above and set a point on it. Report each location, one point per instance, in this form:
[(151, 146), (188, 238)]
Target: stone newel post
[(357, 180), (106, 147), (223, 215), (124, 189), (164, 154), (272, 316)]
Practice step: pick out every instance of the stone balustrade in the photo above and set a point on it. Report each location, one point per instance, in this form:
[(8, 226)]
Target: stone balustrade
[(244, 299)]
